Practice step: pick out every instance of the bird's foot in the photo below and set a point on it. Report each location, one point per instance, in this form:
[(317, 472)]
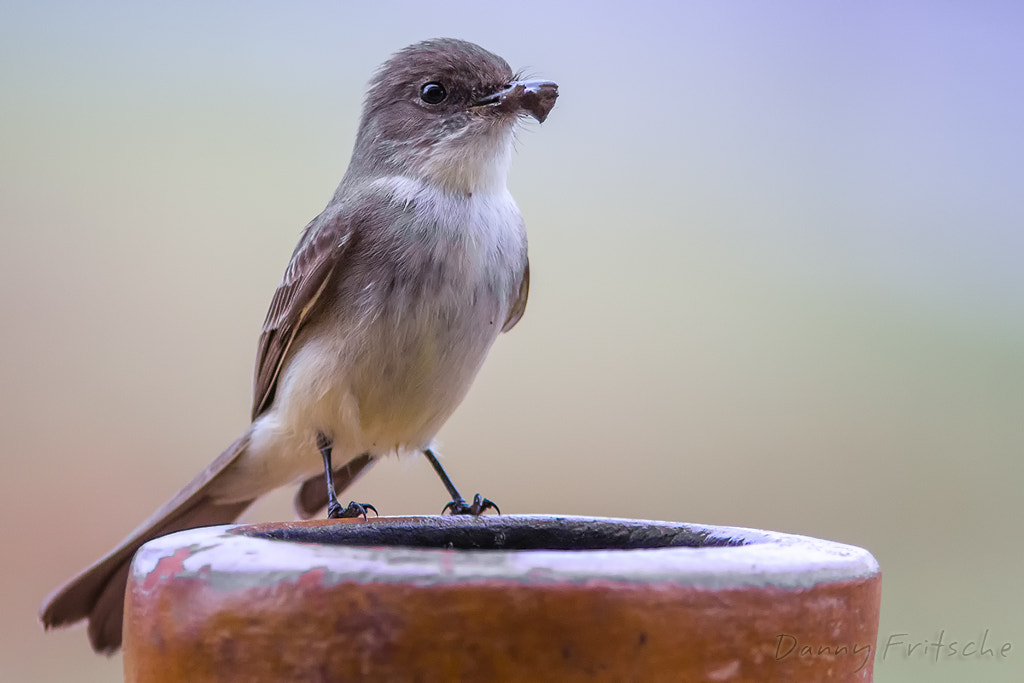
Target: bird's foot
[(354, 509), (477, 508)]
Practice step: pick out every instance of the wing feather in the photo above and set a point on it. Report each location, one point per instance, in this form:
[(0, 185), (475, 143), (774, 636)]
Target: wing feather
[(316, 259), (518, 307)]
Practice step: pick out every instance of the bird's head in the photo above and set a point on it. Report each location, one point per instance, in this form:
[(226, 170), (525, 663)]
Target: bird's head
[(445, 111)]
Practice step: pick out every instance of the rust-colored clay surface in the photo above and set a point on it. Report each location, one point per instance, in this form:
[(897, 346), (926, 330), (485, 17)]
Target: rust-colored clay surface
[(190, 620)]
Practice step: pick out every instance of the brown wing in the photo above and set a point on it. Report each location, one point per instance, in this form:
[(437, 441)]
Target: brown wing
[(519, 305), (315, 260), (312, 495)]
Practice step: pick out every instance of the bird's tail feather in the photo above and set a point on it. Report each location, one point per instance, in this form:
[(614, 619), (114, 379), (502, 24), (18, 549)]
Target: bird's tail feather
[(97, 593)]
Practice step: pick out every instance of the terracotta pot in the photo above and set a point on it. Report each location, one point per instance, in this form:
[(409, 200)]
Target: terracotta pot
[(499, 598)]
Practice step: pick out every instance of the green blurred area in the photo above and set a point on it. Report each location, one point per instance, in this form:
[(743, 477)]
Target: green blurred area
[(776, 280)]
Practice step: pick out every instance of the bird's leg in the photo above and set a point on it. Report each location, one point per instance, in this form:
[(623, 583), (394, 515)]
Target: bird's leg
[(334, 509), (457, 505)]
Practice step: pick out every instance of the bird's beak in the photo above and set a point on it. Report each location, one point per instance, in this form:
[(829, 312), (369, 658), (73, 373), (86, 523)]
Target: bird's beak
[(535, 98)]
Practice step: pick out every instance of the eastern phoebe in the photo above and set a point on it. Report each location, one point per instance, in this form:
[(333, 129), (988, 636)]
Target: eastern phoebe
[(385, 314)]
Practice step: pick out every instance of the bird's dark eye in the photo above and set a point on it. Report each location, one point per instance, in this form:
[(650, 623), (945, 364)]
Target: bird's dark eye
[(433, 93)]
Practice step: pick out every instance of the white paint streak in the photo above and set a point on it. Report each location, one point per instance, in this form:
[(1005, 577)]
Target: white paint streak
[(770, 559)]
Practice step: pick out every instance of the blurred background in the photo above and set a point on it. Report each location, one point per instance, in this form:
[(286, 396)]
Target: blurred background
[(777, 279)]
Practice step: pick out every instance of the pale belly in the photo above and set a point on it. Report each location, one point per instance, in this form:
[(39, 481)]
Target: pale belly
[(393, 351), (383, 384), (388, 389)]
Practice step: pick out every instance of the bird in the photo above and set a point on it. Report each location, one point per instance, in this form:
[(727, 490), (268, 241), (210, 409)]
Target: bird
[(385, 313)]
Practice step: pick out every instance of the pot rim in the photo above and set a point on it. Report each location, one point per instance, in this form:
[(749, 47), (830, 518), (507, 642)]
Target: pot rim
[(727, 558)]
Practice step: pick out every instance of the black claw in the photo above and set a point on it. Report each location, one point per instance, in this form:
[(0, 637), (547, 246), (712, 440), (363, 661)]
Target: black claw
[(354, 509), (459, 507)]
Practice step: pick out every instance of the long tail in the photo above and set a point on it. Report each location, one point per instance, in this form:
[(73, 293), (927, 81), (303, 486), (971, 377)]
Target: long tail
[(97, 593)]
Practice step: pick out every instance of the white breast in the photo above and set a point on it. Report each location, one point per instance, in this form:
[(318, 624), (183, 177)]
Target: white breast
[(389, 381)]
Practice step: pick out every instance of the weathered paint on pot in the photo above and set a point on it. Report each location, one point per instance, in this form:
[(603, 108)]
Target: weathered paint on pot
[(499, 598)]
